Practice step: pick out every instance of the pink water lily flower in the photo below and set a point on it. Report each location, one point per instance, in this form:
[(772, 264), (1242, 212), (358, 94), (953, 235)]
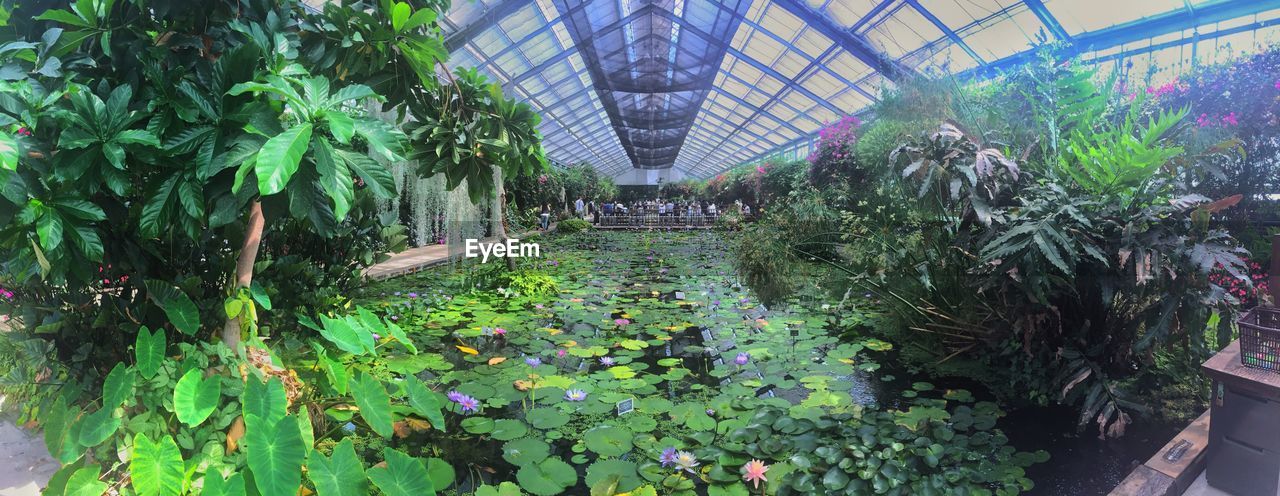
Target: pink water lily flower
[(753, 472)]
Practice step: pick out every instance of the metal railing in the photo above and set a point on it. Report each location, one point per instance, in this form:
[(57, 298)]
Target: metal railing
[(655, 220)]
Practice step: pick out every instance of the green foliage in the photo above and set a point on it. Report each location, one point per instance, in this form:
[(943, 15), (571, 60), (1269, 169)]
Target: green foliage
[(156, 467), (402, 476), (195, 398), (275, 454), (924, 450), (1107, 244), (571, 226), (341, 474)]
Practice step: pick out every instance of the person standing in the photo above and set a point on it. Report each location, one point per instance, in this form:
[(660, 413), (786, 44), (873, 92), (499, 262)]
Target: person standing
[(545, 216), (579, 208)]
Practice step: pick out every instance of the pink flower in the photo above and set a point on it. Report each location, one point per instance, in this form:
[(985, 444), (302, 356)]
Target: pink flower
[(753, 472), (560, 353), (760, 169)]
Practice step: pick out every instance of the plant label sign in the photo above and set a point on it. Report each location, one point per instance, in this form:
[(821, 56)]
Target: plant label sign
[(626, 406)]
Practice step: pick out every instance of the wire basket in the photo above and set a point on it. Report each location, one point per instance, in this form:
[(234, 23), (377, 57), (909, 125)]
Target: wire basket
[(1260, 338)]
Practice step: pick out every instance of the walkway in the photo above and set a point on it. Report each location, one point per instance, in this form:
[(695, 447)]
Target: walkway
[(25, 464), (416, 259)]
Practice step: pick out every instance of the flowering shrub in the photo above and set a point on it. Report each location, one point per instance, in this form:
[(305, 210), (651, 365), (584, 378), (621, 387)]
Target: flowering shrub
[(835, 158), (1246, 291)]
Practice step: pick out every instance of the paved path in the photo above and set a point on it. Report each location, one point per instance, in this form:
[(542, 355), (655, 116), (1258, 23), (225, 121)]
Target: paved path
[(415, 259), (25, 464)]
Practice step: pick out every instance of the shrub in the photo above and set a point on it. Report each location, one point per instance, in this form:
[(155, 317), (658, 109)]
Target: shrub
[(572, 225)]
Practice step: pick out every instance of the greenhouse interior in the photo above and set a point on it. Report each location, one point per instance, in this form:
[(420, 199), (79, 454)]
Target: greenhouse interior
[(639, 247)]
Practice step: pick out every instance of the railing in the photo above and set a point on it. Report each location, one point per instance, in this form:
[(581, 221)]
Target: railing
[(655, 220)]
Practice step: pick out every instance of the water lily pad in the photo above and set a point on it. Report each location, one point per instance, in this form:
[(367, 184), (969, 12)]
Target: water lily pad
[(525, 451), (508, 429), (546, 418), (478, 425), (619, 473), (608, 440), (547, 478)]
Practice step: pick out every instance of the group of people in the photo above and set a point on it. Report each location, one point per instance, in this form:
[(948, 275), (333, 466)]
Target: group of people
[(651, 212), (655, 212)]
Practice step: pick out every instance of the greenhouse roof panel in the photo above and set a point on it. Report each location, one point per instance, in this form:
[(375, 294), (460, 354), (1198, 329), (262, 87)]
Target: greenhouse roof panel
[(702, 85)]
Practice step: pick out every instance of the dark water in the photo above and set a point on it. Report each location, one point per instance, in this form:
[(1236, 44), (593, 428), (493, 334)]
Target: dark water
[(1080, 464)]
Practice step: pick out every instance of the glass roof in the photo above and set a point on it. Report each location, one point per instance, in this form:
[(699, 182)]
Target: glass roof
[(703, 85)]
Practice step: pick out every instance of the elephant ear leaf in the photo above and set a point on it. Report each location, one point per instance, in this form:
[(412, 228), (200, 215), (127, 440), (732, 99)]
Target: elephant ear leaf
[(215, 485), (339, 475), (84, 482), (195, 397), (425, 402), (275, 453), (374, 403), (156, 468), (118, 386), (402, 476), (149, 351)]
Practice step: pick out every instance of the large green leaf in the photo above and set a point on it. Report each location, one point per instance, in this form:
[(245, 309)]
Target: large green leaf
[(333, 370), (339, 475), (182, 312), (347, 334), (149, 351), (375, 175), (275, 453), (195, 397), (383, 139), (8, 152), (279, 157), (84, 482), (335, 178), (374, 403), (424, 401), (98, 427), (403, 476), (215, 485), (118, 386), (156, 468), (263, 401)]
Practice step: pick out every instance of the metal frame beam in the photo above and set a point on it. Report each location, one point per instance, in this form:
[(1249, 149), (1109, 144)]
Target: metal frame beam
[(946, 30), (1050, 22), (490, 17), (857, 26), (1151, 27), (853, 43), (778, 94)]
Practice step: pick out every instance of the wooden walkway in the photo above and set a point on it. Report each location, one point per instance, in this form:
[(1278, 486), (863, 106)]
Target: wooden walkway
[(422, 257)]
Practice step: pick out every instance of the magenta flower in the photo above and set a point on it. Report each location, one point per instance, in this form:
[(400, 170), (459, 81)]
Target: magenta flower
[(560, 353), (742, 358), (621, 322), (499, 332)]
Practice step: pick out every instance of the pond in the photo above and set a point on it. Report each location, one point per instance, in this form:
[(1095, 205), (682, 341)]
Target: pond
[(649, 349)]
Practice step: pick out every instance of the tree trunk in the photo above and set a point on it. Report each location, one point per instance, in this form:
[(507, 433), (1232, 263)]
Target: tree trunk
[(244, 269), (499, 194)]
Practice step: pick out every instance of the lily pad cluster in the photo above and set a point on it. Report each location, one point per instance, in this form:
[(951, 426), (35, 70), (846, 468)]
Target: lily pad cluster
[(650, 346)]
